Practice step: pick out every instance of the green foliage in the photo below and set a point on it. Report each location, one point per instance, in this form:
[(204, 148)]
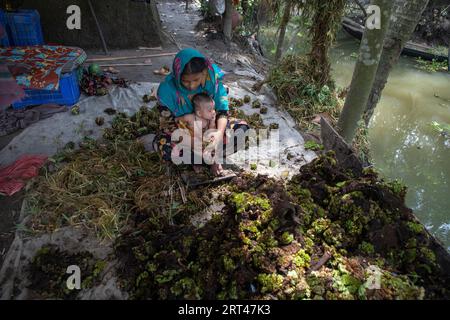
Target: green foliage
[(299, 93), (126, 128), (397, 187), (367, 248), (442, 128), (270, 282), (312, 145), (166, 276), (48, 272), (302, 259), (286, 238), (242, 201), (205, 8), (260, 248), (432, 66), (415, 227)]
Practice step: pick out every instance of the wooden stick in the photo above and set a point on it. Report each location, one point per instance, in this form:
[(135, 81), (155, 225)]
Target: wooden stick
[(182, 191), (105, 48), (326, 256), (168, 34), (126, 64), (147, 48), (132, 57)]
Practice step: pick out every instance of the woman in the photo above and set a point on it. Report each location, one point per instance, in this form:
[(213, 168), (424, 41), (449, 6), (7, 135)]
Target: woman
[(192, 73)]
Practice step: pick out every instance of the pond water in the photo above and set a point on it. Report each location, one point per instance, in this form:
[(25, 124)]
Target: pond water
[(404, 144)]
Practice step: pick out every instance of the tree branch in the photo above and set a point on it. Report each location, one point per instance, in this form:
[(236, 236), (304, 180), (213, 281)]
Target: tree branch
[(361, 7)]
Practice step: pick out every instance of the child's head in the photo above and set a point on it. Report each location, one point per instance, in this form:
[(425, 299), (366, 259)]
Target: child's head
[(204, 106)]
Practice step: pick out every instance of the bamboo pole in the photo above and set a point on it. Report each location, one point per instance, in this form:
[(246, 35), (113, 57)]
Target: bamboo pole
[(132, 57)]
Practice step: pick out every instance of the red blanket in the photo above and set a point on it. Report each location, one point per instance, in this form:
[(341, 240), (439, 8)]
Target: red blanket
[(13, 177), (44, 64)]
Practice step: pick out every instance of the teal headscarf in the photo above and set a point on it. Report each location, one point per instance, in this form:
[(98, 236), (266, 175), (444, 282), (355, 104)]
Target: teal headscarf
[(177, 98)]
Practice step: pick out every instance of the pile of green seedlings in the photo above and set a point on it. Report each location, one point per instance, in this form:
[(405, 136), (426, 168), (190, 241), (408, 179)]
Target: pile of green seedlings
[(48, 272), (324, 235)]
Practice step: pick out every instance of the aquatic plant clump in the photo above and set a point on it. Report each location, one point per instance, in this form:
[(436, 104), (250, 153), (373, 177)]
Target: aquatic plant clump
[(322, 235), (49, 277), (130, 127), (316, 238), (254, 120)]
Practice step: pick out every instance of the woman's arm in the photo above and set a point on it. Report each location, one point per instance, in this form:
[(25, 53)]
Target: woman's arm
[(222, 124), (221, 101)]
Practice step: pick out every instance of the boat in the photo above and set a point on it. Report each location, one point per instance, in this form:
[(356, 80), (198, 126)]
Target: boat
[(411, 48)]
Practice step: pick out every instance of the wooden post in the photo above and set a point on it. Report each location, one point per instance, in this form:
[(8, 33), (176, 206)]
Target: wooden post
[(98, 28)]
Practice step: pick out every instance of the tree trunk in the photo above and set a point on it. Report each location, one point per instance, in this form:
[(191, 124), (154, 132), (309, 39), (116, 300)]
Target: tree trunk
[(294, 40), (227, 21), (244, 6), (407, 14), (283, 25), (326, 17), (364, 74)]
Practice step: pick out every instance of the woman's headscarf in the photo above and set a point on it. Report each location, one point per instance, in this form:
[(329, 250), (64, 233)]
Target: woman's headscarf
[(173, 95)]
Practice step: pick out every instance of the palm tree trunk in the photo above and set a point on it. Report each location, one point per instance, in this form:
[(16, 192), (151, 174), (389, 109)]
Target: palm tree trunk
[(364, 74), (407, 14), (283, 25), (227, 22)]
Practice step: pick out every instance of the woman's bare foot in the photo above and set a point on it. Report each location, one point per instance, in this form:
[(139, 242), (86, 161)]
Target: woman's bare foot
[(164, 71), (217, 169)]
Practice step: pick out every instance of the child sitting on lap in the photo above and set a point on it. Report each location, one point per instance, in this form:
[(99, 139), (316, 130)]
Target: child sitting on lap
[(203, 119)]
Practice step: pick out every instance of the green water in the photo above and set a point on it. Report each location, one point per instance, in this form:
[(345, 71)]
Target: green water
[(403, 142)]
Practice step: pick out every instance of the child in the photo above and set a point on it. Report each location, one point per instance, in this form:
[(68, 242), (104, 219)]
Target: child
[(203, 119)]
